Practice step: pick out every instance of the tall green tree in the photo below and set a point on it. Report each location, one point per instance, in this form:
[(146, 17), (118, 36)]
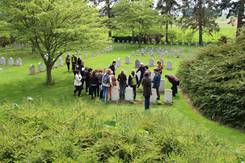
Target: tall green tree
[(168, 10), (52, 26), (105, 7), (235, 8), (200, 15), (137, 16)]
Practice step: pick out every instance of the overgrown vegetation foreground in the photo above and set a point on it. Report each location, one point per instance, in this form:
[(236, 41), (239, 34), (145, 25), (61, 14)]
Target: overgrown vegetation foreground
[(42, 132), (215, 81)]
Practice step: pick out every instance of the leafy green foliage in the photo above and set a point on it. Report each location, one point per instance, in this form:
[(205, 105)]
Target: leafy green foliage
[(41, 132), (215, 81)]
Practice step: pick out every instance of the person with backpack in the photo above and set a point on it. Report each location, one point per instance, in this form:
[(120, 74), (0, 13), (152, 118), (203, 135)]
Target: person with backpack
[(156, 82), (132, 82), (78, 83), (106, 85), (175, 83), (68, 62), (147, 91), (122, 79)]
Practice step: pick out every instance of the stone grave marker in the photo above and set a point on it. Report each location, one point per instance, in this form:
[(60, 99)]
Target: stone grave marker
[(153, 98), (168, 96), (151, 62), (40, 67), (129, 95), (2, 61), (19, 62), (127, 60), (11, 61), (161, 88), (32, 70), (115, 94), (137, 63), (61, 61), (169, 65)]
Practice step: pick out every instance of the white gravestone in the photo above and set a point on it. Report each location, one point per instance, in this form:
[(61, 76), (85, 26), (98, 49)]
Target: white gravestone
[(151, 62), (129, 95), (137, 63), (61, 61), (161, 88), (2, 61), (18, 62), (11, 61), (115, 94), (32, 70), (40, 67), (56, 65), (153, 98), (168, 96), (169, 65), (127, 60)]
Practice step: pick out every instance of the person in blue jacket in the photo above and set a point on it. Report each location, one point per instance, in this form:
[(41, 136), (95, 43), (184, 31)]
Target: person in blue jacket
[(156, 81)]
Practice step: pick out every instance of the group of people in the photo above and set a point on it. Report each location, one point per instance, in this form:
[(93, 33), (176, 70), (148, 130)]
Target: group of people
[(100, 82)]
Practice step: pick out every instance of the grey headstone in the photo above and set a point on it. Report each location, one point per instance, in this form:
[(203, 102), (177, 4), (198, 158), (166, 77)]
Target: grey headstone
[(127, 60), (61, 61), (137, 63), (11, 61), (40, 67), (151, 62), (2, 61), (32, 70), (169, 65), (18, 62)]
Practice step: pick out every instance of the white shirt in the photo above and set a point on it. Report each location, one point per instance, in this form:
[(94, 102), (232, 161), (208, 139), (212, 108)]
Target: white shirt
[(77, 80)]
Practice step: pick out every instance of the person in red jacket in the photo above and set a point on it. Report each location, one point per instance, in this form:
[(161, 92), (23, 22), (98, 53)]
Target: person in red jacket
[(175, 83)]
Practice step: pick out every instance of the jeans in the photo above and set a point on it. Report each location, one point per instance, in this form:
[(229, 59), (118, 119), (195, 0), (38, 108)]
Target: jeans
[(158, 93), (68, 66), (122, 92), (147, 102), (78, 89), (106, 93), (93, 90), (134, 90)]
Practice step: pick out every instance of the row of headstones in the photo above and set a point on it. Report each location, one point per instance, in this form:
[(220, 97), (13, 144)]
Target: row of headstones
[(41, 68), (164, 43), (151, 63), (11, 61), (168, 98), (160, 51)]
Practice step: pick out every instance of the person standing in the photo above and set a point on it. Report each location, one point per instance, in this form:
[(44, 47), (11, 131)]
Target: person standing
[(68, 62), (142, 71), (106, 85), (74, 63), (132, 82), (147, 92), (122, 79), (160, 66), (78, 83), (88, 74), (156, 82), (175, 83), (94, 82), (113, 68)]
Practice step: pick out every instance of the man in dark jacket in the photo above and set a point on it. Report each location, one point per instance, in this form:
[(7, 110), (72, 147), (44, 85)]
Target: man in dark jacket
[(122, 79), (175, 83), (68, 62), (132, 82), (156, 82), (113, 68), (74, 63), (147, 89), (142, 70)]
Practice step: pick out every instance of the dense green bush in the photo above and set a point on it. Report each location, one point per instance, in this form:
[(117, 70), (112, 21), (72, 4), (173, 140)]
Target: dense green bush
[(44, 133), (215, 82)]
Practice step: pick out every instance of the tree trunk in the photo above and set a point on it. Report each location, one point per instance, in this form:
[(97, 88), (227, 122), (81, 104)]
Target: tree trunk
[(240, 22), (200, 23), (166, 33), (49, 74), (108, 9)]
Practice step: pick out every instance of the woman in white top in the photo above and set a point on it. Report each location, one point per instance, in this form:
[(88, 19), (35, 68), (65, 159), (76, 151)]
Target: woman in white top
[(78, 83)]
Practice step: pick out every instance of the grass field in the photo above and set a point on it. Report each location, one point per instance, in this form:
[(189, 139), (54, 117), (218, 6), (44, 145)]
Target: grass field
[(51, 126)]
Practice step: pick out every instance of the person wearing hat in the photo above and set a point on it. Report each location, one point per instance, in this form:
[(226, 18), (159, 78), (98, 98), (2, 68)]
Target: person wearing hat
[(142, 70), (113, 68), (156, 81)]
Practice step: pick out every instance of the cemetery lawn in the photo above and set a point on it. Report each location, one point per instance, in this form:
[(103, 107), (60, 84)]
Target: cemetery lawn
[(16, 85)]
